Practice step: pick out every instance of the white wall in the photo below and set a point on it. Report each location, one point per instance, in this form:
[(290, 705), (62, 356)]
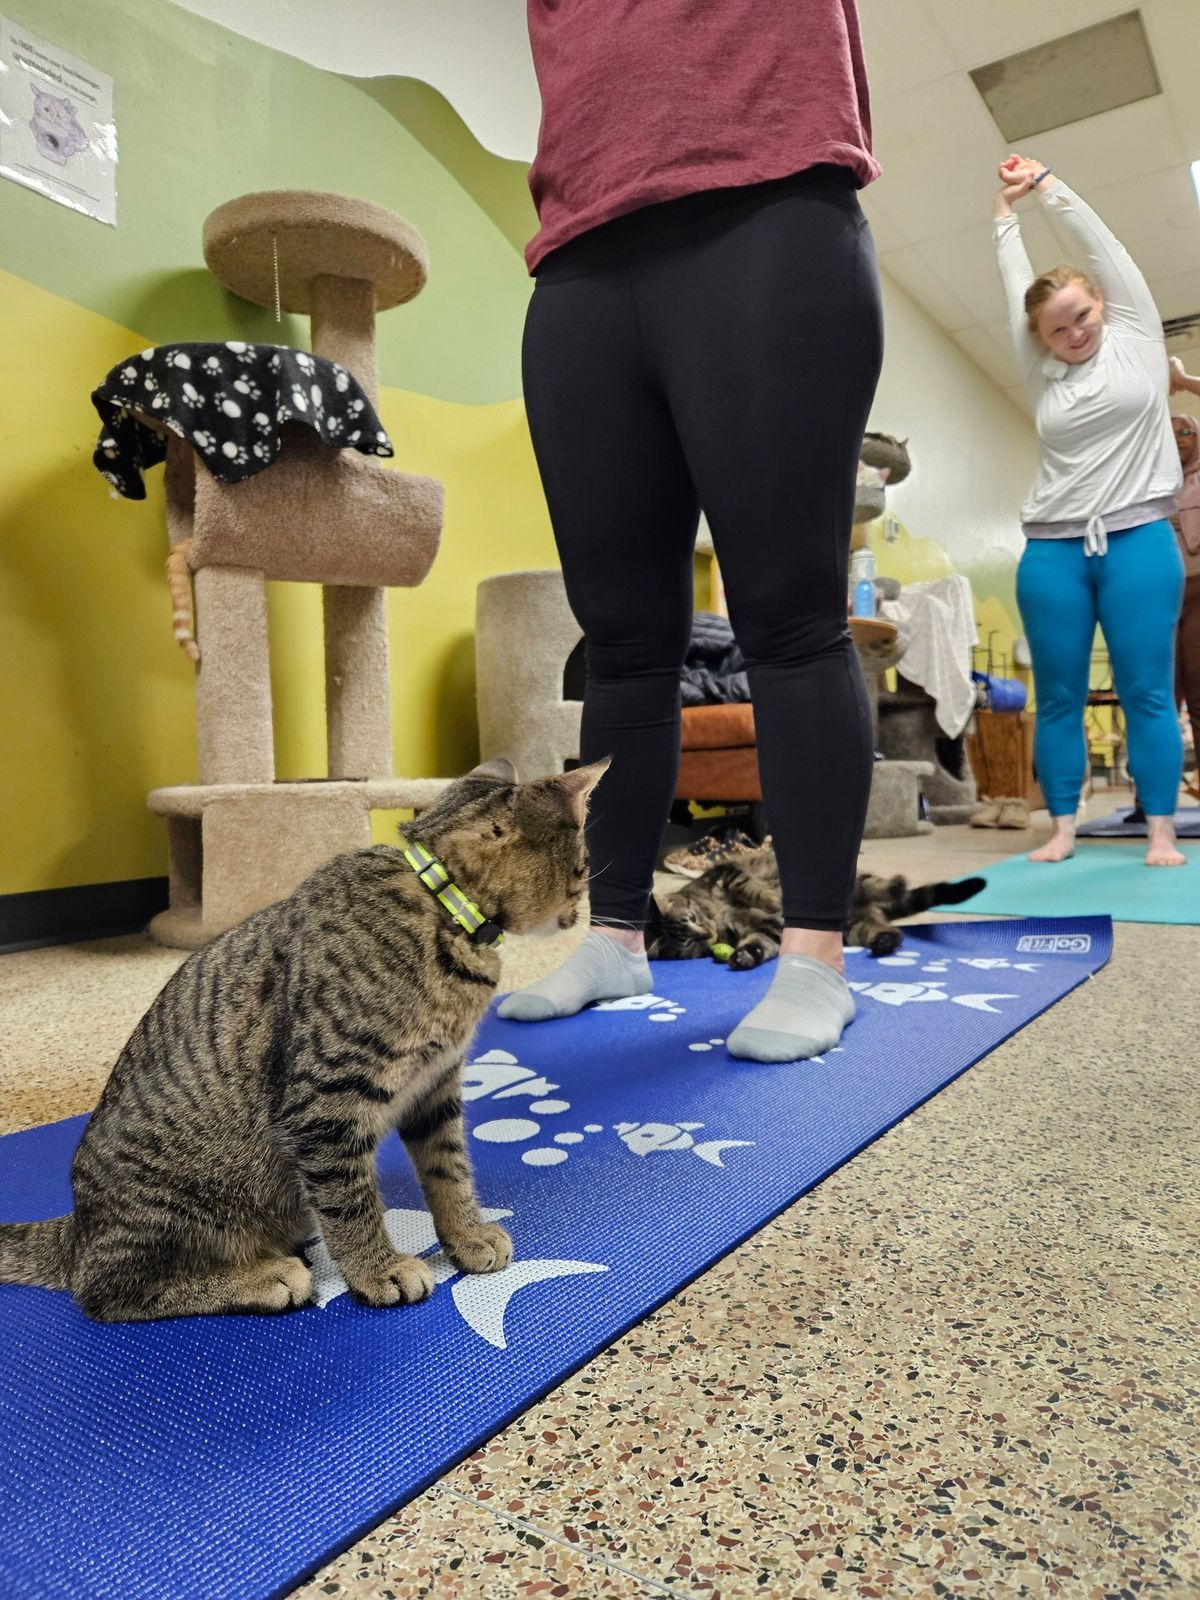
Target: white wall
[(474, 52), (973, 450)]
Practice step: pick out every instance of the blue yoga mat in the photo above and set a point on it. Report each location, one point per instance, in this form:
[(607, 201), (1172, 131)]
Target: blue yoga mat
[(1112, 882), (1116, 825), (227, 1458)]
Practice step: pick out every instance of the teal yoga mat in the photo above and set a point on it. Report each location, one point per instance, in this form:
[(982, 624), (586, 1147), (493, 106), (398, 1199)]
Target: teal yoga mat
[(1112, 882)]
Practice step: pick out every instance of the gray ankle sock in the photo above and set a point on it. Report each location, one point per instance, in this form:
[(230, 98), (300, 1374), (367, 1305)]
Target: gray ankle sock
[(601, 969), (802, 1014)]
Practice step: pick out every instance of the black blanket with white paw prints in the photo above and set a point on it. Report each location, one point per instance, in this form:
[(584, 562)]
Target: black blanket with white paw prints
[(229, 402)]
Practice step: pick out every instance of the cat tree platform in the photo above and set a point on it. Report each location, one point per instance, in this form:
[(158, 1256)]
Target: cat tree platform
[(239, 840), (234, 848)]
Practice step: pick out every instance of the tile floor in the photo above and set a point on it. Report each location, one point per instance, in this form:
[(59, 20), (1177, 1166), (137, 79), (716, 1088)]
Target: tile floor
[(968, 1364)]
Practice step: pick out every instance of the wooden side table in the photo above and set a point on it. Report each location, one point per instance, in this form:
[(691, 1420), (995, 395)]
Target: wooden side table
[(1000, 750)]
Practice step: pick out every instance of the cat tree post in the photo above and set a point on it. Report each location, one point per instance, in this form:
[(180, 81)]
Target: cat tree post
[(356, 645), (319, 513), (341, 261)]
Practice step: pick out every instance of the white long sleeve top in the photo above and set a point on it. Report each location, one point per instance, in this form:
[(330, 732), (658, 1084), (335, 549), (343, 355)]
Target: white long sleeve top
[(1107, 455)]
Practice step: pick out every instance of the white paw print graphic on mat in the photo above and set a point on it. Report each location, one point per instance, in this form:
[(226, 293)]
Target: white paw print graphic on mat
[(658, 1009), (499, 1076)]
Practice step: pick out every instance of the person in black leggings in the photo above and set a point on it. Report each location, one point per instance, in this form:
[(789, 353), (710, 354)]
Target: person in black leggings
[(718, 351)]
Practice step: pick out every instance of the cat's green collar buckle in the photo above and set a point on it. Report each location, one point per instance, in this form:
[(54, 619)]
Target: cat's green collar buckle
[(478, 928)]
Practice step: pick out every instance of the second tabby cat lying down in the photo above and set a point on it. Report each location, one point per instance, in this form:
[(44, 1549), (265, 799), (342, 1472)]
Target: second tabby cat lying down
[(734, 911), (244, 1113)]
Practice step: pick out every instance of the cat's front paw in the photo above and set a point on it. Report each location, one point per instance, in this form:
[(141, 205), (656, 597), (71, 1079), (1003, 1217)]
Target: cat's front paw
[(400, 1281), (484, 1249), (751, 953)]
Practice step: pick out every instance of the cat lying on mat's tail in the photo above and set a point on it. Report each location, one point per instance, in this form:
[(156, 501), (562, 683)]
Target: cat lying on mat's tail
[(879, 903), (37, 1253), (733, 912)]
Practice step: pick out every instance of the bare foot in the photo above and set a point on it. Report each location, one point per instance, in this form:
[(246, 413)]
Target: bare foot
[(1060, 846), (1162, 851)]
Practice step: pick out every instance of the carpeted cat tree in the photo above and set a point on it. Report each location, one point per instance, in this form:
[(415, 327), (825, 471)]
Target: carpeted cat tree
[(321, 512)]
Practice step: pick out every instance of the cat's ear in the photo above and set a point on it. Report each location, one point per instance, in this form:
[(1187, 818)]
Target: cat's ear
[(560, 801), (498, 767), (576, 787)]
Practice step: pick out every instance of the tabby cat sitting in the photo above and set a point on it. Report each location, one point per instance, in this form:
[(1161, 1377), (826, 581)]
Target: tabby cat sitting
[(244, 1113), (734, 911)]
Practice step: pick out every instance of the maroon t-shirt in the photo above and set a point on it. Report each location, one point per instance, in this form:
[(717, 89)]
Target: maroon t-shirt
[(648, 100)]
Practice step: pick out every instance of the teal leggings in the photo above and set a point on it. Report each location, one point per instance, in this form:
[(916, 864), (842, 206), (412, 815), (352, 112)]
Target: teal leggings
[(1134, 593)]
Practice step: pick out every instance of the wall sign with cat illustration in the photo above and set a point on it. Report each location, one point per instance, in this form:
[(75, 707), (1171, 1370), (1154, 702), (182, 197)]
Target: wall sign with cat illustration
[(243, 1115), (734, 912)]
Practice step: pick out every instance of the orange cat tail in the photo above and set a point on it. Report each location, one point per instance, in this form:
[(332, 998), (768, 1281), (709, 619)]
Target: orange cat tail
[(179, 582)]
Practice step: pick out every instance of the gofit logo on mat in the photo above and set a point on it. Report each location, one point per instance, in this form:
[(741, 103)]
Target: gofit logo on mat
[(1056, 944)]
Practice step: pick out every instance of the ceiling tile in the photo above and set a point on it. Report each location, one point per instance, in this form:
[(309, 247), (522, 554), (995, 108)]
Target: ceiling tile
[(1139, 213), (940, 150), (902, 46), (1174, 30), (1178, 295), (1120, 145), (928, 288), (978, 33), (966, 262)]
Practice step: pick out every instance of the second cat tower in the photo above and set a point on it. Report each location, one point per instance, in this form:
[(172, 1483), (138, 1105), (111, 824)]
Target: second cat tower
[(239, 839)]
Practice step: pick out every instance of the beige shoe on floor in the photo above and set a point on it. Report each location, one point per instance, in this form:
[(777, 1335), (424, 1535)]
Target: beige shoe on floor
[(1013, 814), (987, 816), (712, 851)]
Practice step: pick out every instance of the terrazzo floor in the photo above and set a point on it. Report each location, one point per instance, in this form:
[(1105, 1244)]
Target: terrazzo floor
[(966, 1364)]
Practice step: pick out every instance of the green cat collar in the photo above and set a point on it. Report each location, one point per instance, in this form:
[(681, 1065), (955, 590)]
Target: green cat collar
[(478, 928)]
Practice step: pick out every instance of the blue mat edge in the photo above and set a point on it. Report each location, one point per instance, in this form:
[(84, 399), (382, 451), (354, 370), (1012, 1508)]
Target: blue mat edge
[(374, 1517), (491, 1431)]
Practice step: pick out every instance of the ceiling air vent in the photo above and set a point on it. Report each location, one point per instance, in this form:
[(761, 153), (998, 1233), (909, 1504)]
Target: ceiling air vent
[(1079, 75), (1183, 327)]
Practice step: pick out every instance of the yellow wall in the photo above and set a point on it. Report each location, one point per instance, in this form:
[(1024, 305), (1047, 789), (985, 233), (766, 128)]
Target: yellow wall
[(97, 701)]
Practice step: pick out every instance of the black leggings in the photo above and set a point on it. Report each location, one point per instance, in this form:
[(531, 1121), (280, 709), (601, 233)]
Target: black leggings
[(718, 351)]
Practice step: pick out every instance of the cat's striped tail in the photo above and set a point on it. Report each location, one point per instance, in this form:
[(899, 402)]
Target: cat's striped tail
[(37, 1253), (179, 582)]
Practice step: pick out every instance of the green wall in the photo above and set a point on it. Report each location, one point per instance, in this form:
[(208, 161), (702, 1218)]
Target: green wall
[(203, 115), (97, 702)]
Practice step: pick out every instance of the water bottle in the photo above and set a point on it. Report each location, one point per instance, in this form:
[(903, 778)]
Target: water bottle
[(862, 579)]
